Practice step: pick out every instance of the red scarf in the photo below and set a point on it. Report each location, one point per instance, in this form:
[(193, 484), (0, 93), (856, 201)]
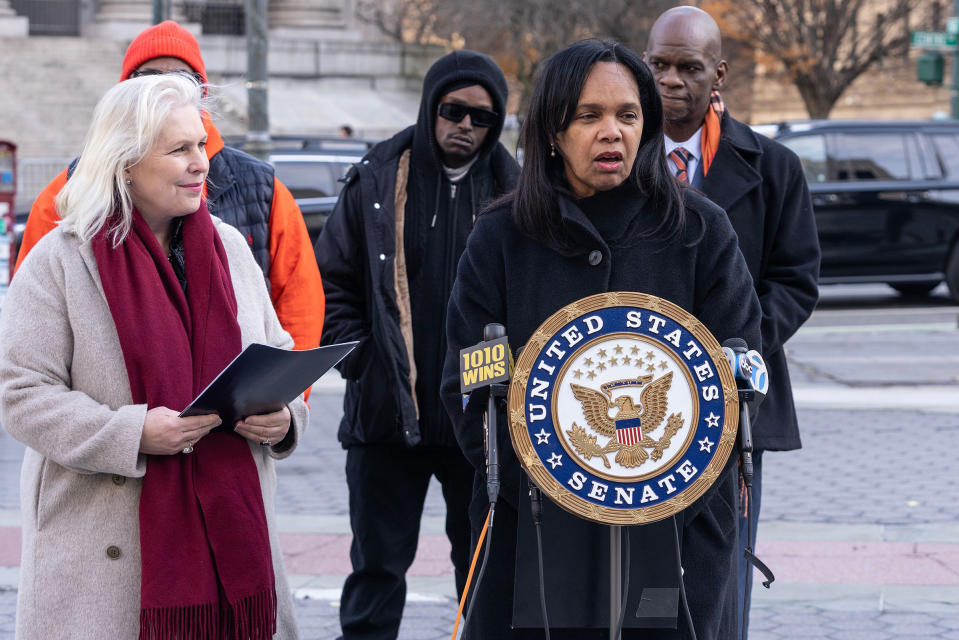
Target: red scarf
[(204, 544)]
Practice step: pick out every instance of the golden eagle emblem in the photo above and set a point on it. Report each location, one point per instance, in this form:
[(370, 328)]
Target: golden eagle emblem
[(630, 428)]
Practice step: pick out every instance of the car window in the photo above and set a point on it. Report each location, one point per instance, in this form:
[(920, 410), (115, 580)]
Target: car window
[(868, 156), (926, 158), (917, 168), (948, 147), (311, 179), (811, 150)]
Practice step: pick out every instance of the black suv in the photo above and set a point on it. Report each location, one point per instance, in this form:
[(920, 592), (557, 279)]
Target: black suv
[(311, 167), (886, 199)]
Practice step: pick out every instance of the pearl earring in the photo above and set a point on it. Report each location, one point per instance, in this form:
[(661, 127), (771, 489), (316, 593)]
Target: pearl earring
[(552, 151), (128, 182)]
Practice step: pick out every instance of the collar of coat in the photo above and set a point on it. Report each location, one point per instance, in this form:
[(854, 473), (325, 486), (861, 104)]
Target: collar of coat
[(740, 136), (581, 227), (734, 171)]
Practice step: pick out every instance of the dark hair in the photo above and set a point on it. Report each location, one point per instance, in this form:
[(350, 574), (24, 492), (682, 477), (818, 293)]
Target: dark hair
[(552, 107)]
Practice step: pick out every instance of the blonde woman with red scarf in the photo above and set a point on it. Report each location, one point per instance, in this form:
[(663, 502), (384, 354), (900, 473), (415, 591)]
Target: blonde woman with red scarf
[(138, 523)]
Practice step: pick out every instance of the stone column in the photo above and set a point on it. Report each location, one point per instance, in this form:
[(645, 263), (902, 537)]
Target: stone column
[(305, 16), (120, 19), (125, 19), (12, 25)]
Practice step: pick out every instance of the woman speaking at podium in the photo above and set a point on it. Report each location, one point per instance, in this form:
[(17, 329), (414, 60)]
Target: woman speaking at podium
[(138, 523), (595, 210)]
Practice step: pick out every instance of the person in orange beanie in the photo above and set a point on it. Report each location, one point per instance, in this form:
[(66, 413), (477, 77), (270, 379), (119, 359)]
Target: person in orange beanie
[(240, 190)]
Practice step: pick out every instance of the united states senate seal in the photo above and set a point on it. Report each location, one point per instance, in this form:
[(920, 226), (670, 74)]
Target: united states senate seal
[(622, 408)]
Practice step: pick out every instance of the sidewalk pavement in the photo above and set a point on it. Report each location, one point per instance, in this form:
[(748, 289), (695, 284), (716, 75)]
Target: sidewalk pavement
[(861, 526)]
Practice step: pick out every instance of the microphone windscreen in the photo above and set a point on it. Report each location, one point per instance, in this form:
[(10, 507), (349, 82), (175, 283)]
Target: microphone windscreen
[(736, 344), (493, 331)]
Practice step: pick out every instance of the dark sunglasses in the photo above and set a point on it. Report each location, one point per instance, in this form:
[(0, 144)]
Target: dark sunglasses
[(156, 72), (455, 112)]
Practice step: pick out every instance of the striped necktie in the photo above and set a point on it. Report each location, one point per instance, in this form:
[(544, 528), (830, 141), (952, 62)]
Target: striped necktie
[(680, 157)]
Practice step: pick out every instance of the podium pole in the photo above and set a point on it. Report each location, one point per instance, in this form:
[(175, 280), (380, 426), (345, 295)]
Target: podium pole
[(615, 579)]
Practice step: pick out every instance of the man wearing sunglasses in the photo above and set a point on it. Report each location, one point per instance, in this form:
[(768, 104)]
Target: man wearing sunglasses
[(388, 257), (240, 190)]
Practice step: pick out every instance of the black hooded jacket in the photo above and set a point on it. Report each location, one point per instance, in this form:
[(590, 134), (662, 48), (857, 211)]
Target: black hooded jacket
[(391, 295)]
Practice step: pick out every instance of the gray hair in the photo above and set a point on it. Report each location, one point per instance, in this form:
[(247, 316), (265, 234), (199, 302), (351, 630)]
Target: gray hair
[(126, 124)]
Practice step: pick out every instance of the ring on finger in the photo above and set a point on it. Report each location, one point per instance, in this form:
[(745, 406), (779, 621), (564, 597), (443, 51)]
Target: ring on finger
[(188, 448), (266, 443)]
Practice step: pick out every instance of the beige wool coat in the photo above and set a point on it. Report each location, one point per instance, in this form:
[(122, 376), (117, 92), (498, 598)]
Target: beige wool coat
[(64, 392)]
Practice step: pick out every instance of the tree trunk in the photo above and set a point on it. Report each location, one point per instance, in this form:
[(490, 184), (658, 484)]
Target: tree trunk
[(819, 99)]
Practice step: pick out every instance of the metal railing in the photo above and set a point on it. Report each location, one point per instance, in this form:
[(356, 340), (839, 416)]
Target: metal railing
[(64, 17), (216, 17), (50, 17), (33, 174)]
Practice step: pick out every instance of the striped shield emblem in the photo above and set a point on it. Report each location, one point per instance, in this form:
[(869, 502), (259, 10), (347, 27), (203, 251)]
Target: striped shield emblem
[(628, 431)]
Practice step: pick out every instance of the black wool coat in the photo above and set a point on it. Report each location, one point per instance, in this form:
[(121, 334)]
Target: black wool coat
[(506, 277), (761, 185)]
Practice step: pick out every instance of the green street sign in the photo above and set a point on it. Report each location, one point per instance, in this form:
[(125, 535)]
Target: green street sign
[(933, 39)]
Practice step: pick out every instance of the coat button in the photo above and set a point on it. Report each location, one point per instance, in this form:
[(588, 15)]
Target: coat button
[(376, 205), (118, 480), (382, 257), (595, 257), (113, 552)]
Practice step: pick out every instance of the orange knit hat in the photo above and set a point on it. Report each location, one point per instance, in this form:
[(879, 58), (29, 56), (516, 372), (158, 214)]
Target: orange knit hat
[(164, 40)]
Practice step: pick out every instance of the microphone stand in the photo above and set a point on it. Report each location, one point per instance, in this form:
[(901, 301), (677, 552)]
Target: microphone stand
[(745, 438), (615, 580), (745, 435), (736, 353), (745, 442), (492, 332), (497, 392)]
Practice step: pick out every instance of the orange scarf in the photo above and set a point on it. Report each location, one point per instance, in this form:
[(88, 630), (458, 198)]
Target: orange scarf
[(711, 129)]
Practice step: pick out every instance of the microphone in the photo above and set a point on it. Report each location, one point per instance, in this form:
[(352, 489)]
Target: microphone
[(488, 364), (752, 381), (748, 367)]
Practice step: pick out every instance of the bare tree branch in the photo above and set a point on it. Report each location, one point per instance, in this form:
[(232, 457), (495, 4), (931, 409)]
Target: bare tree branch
[(410, 21), (823, 45)]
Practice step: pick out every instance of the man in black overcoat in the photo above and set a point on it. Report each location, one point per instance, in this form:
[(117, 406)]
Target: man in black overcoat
[(388, 257), (761, 186)]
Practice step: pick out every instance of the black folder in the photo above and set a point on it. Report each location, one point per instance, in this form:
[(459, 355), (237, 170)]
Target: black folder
[(263, 379)]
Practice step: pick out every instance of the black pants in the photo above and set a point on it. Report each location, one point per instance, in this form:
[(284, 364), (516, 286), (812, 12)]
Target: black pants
[(388, 485)]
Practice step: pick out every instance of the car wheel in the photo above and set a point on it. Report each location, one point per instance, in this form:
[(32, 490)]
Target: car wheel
[(952, 273), (913, 289)]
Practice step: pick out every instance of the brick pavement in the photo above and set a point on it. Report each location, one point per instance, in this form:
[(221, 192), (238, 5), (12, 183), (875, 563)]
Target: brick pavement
[(877, 467)]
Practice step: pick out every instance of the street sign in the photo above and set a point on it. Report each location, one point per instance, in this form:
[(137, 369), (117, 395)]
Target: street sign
[(952, 26), (933, 39)]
